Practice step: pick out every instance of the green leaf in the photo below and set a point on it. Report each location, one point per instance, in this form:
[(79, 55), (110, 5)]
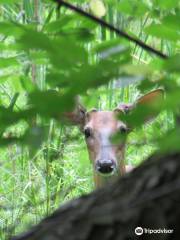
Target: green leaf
[(163, 32), (172, 64), (4, 77), (9, 1), (168, 143), (133, 7), (166, 4), (9, 117), (60, 24), (10, 29), (27, 84), (39, 41), (8, 62), (50, 103), (13, 81), (172, 21), (62, 52)]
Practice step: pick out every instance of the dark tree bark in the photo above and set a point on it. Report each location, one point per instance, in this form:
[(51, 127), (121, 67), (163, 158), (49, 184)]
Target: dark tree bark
[(148, 197)]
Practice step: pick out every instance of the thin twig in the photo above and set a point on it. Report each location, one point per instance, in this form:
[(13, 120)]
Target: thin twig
[(112, 28)]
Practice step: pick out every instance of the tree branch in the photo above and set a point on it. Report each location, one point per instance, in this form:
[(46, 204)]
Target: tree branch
[(112, 28)]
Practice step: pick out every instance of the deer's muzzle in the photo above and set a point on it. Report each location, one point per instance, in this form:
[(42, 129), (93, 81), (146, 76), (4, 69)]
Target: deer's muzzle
[(105, 167)]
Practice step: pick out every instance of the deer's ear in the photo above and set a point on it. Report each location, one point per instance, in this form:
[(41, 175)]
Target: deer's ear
[(149, 100), (77, 116), (151, 97)]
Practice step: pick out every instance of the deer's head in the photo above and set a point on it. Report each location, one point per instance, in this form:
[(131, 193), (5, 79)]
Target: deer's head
[(99, 127)]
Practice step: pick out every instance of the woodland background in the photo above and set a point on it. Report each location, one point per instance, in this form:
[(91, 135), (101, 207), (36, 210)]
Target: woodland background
[(48, 55)]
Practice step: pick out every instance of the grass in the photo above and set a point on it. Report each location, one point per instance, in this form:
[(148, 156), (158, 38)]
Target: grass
[(32, 187)]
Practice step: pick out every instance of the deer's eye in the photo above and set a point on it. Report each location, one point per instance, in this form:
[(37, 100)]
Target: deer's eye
[(87, 132), (123, 129)]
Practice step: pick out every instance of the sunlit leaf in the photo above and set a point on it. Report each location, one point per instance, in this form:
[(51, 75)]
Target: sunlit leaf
[(9, 1), (8, 62), (97, 7)]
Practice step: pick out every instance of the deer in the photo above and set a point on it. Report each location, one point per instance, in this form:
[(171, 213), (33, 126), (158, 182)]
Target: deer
[(98, 127)]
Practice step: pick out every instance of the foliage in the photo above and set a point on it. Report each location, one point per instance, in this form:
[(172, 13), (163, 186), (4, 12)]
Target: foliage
[(47, 58)]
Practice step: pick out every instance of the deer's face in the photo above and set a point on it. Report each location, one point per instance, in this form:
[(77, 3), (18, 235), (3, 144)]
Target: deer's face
[(99, 128)]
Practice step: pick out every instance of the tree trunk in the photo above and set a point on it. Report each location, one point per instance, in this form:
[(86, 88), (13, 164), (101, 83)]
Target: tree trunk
[(148, 197)]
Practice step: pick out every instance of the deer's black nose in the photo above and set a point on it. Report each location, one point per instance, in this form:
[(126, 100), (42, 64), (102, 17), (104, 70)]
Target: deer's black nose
[(105, 166)]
